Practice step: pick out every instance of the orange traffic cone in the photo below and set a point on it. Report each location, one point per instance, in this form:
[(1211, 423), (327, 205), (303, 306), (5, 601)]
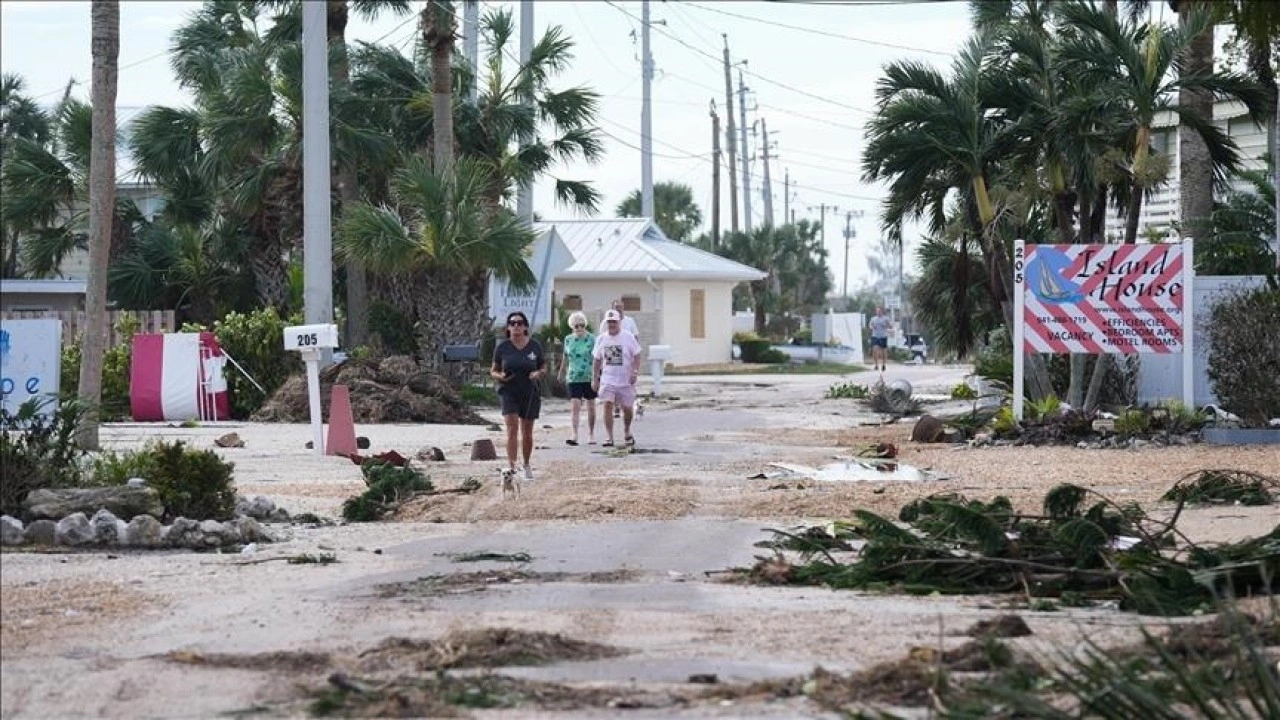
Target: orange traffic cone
[(342, 426)]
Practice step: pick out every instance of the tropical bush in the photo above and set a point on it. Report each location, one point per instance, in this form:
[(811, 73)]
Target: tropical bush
[(115, 379), (195, 484), (1244, 354), (256, 341), (392, 328), (38, 450)]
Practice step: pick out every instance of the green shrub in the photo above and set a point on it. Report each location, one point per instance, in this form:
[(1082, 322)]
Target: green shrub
[(847, 390), (962, 391), (479, 395), (1244, 354), (256, 341), (195, 484), (995, 360), (111, 469), (1133, 422), (389, 485), (38, 451), (393, 329), (115, 379)]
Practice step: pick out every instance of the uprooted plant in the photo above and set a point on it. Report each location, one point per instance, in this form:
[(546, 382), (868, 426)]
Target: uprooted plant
[(1217, 487), (1083, 549), (389, 485)]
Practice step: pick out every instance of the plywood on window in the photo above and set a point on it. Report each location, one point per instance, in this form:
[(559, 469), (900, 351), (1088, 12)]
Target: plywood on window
[(698, 314)]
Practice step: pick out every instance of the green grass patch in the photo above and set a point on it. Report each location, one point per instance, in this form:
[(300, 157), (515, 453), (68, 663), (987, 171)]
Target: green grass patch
[(480, 395)]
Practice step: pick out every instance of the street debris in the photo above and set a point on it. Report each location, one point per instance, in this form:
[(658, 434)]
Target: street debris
[(1084, 549), (1224, 487)]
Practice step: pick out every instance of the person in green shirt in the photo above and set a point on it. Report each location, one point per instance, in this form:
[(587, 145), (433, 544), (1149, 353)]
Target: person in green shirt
[(575, 372)]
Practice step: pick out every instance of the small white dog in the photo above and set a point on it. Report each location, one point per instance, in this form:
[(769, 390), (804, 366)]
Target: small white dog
[(510, 484)]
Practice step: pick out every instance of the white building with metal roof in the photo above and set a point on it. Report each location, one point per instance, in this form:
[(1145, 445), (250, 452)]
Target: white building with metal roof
[(678, 295)]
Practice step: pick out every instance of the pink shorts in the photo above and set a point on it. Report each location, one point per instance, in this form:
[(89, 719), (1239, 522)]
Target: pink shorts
[(624, 395)]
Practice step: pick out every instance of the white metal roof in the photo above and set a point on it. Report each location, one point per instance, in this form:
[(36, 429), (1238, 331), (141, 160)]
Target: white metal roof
[(53, 286), (637, 247)]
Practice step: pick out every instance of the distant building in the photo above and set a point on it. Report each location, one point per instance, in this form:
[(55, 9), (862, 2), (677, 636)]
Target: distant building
[(1162, 208)]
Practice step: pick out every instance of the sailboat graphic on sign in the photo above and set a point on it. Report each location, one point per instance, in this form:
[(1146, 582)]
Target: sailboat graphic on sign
[(1048, 273)]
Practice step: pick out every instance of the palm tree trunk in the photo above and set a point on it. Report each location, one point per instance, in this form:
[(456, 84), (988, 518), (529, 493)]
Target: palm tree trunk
[(1140, 152), (449, 310), (438, 34), (357, 330), (758, 291), (1195, 171), (105, 50), (1001, 273)]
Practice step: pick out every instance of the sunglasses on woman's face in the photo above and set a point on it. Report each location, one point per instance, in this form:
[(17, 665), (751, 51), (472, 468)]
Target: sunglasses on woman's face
[(516, 323), (579, 325)]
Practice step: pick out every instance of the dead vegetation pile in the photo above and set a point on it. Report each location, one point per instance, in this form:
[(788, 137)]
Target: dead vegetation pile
[(1083, 550), (480, 648), (383, 390)]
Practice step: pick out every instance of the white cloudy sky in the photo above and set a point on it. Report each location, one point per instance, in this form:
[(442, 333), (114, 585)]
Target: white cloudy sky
[(814, 87)]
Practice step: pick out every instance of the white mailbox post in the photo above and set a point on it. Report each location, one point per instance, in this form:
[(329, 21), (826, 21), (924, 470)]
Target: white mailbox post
[(658, 357), (310, 341)]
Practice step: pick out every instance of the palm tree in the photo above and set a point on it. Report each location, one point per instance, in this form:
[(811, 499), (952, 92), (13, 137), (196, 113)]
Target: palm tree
[(674, 209), (105, 51), (20, 118), (437, 39), (1136, 64), (438, 224)]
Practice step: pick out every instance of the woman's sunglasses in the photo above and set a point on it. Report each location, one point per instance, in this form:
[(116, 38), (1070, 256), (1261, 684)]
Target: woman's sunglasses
[(579, 325), (516, 323)]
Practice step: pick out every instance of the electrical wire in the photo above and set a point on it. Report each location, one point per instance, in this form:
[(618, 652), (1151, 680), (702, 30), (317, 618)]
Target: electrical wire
[(813, 31)]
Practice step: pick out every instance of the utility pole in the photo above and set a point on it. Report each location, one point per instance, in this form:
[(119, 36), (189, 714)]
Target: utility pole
[(768, 185), (715, 176), (524, 195), (730, 140), (746, 169), (849, 234), (317, 236), (822, 221), (471, 45), (646, 116), (786, 196)]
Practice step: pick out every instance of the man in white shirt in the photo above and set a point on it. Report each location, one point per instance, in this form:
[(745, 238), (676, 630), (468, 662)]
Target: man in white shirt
[(628, 323), (615, 370)]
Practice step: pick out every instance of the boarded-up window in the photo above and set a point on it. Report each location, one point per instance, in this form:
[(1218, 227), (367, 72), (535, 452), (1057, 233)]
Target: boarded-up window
[(698, 314), (630, 303), (572, 302)]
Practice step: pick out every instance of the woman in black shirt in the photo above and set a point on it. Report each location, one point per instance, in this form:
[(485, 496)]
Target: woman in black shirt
[(518, 366)]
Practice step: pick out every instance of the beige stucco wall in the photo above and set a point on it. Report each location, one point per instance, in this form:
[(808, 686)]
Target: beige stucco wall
[(664, 315), (717, 347)]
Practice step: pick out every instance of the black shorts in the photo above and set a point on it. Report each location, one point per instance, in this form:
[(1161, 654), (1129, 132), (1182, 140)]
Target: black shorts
[(880, 342), (526, 404), (581, 391)]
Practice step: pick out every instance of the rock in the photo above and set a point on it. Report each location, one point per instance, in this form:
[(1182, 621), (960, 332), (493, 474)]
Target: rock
[(362, 442), (42, 532), (11, 531), (211, 533), (928, 429), (181, 533), (136, 482), (144, 531), (483, 449), (74, 530), (250, 530), (982, 439), (123, 501), (230, 440), (433, 453), (107, 528), (259, 508)]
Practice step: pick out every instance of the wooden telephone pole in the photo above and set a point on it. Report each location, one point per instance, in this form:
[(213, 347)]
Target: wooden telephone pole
[(733, 178), (715, 176)]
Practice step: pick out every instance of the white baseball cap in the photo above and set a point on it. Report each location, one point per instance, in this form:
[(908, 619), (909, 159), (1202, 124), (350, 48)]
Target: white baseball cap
[(612, 316)]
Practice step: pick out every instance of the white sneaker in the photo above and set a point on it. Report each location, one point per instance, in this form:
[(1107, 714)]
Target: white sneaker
[(528, 473)]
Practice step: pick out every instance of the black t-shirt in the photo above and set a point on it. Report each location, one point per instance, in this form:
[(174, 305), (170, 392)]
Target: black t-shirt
[(518, 363)]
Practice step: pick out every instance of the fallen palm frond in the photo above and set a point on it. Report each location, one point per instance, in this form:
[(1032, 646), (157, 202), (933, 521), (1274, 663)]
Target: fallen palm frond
[(1221, 668), (1083, 549), (489, 556), (1231, 487)]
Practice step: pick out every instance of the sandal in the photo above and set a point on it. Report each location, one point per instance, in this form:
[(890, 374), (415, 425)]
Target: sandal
[(631, 442), (607, 443), (571, 442)]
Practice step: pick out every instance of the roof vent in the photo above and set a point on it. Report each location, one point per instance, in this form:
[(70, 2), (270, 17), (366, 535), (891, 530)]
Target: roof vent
[(599, 242)]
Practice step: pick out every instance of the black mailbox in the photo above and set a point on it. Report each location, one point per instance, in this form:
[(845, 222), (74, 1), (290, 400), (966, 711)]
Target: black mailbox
[(462, 353)]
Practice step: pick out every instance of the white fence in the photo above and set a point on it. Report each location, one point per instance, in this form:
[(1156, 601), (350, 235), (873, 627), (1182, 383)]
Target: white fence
[(1160, 376)]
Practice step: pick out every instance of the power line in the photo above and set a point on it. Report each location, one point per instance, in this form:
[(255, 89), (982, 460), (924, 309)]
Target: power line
[(753, 74), (813, 31), (785, 111)]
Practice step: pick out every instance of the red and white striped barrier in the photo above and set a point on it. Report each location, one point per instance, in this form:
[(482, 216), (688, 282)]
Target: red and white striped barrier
[(178, 376)]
